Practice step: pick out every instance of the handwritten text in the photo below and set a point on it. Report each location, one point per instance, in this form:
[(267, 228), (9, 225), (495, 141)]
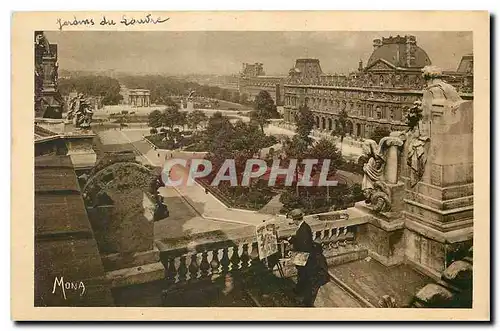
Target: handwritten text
[(106, 21)]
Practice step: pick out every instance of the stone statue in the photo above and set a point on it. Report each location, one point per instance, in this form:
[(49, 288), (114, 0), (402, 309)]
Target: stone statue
[(374, 189), (80, 111)]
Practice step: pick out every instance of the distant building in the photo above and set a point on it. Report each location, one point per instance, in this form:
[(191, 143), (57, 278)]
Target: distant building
[(253, 80), (139, 97), (378, 94)]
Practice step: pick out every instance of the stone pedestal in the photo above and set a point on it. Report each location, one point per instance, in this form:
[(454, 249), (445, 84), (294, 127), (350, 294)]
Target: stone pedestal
[(439, 208), (382, 235)]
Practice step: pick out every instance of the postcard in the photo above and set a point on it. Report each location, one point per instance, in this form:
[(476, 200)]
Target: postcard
[(175, 154)]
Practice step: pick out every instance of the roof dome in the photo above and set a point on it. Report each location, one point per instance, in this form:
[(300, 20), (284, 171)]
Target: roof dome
[(399, 51)]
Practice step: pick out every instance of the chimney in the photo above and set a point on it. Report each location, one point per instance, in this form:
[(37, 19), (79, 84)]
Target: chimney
[(360, 65), (411, 43), (377, 43)]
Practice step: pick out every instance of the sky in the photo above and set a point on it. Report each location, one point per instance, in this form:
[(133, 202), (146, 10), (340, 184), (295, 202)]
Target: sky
[(212, 52)]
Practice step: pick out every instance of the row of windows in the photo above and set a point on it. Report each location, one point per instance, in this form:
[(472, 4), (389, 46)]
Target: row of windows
[(378, 111), (293, 100), (354, 128)]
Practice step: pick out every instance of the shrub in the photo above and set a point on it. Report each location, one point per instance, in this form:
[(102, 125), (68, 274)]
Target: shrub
[(153, 131)]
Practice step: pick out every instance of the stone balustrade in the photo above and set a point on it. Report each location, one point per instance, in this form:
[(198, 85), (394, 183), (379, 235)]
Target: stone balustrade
[(213, 258), (205, 260)]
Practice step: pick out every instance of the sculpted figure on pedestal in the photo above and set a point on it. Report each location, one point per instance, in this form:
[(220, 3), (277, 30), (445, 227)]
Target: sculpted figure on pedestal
[(417, 145), (374, 189), (381, 169)]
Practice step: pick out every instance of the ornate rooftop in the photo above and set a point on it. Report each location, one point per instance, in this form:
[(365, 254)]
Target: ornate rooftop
[(400, 51)]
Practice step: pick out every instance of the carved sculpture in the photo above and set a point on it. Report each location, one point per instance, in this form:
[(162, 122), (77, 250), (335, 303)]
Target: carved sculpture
[(372, 184), (381, 169), (80, 111)]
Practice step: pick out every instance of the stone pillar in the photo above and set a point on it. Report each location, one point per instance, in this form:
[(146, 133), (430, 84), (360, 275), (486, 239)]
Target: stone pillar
[(391, 173), (392, 145)]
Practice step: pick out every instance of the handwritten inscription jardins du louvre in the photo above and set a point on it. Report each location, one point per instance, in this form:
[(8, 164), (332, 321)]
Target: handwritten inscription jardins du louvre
[(104, 21)]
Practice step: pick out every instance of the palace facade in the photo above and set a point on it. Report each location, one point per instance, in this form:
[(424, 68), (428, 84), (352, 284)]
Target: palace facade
[(378, 94)]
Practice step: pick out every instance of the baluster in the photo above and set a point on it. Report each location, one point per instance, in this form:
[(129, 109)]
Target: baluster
[(182, 270), (235, 258), (170, 271), (215, 263), (204, 265), (341, 239), (317, 235), (245, 258), (193, 267), (254, 255), (341, 236), (177, 263), (225, 260), (328, 232), (350, 237)]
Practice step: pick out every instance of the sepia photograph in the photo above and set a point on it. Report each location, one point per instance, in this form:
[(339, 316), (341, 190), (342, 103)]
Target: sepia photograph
[(277, 169)]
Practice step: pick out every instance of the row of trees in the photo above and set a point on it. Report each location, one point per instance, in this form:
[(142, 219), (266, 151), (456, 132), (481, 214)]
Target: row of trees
[(302, 146), (162, 87), (171, 117), (97, 86), (239, 142)]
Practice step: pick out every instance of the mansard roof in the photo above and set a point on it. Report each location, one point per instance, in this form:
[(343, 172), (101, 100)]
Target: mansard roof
[(394, 51)]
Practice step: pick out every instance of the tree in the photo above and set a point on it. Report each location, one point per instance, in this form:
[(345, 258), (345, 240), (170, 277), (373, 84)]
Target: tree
[(96, 86), (326, 150), (265, 103), (172, 117), (243, 99), (305, 123), (196, 118), (341, 128), (264, 109), (182, 119), (296, 148), (155, 119), (379, 133), (259, 117)]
